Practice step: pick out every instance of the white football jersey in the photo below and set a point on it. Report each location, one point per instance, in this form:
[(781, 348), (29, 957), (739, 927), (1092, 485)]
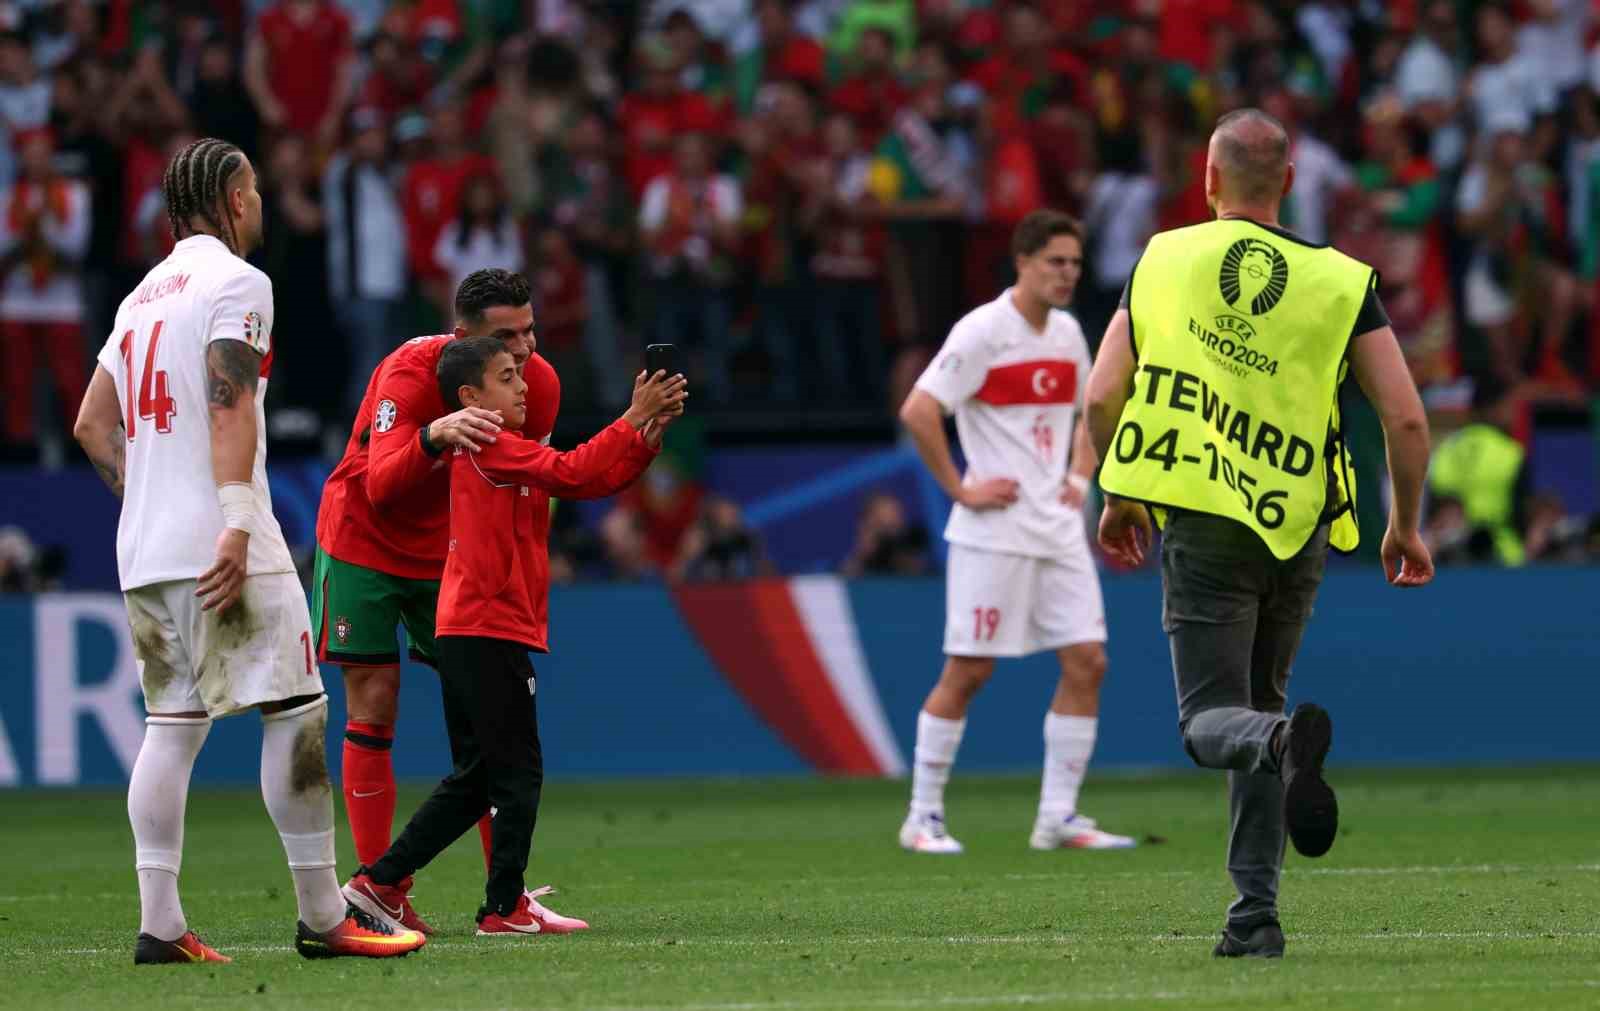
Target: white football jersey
[(1015, 394), (157, 355)]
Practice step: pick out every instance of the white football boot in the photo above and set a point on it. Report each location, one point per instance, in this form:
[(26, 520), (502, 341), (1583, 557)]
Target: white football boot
[(1076, 832), (925, 833)]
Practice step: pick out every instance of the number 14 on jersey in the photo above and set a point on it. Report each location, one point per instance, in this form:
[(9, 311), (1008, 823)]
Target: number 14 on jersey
[(155, 403)]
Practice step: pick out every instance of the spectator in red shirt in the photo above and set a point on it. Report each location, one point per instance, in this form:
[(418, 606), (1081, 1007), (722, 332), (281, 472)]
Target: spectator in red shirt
[(873, 94), (430, 194), (492, 611), (659, 112), (1027, 67), (299, 67), (398, 78)]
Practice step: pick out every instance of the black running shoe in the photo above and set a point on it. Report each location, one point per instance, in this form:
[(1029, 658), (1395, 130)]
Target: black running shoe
[(1310, 809), (1264, 941)]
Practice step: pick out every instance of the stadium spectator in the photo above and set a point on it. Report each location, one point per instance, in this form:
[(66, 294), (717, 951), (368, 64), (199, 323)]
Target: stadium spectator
[(300, 65), (366, 249), (703, 70), (585, 196), (1428, 80), (561, 305), (689, 221), (483, 233), (782, 54), (1508, 204), (1396, 227), (431, 195), (219, 104), (24, 97), (873, 92), (395, 78), (887, 543), (720, 547), (294, 254), (847, 266), (44, 233), (656, 115), (780, 150)]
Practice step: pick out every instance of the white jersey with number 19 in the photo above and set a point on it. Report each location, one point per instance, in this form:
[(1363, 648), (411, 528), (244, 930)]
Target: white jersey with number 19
[(157, 355)]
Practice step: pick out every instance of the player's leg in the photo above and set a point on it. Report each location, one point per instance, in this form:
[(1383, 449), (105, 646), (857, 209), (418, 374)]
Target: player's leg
[(260, 654), (419, 606), (506, 719), (1068, 617), (355, 611), (454, 806), (158, 789), (984, 594)]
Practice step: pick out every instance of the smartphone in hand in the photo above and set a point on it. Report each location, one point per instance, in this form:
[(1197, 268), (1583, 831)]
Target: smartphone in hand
[(661, 358)]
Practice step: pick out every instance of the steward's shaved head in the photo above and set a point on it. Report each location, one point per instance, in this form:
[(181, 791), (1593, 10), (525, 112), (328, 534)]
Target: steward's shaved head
[(1250, 150)]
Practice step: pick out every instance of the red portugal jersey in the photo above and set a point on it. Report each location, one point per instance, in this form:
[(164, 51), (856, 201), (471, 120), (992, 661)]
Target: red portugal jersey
[(497, 573), (386, 505)]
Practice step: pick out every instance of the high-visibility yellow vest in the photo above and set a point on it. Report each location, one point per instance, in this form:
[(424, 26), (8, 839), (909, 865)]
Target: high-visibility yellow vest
[(1479, 465), (1240, 336)]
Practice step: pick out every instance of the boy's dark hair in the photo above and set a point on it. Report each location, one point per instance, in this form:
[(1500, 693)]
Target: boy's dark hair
[(1035, 231), (482, 290), (464, 363), (194, 185)]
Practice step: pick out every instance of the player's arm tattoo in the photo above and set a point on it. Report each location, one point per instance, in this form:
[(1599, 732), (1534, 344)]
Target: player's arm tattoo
[(109, 461), (232, 370)]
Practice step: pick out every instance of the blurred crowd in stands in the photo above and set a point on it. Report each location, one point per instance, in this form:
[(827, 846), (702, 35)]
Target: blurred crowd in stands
[(802, 194)]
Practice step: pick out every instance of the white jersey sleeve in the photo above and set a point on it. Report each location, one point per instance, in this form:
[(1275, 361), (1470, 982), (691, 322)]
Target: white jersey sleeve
[(957, 372), (242, 311)]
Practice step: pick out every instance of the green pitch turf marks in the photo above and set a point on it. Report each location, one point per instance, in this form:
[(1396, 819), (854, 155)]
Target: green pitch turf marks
[(1453, 890)]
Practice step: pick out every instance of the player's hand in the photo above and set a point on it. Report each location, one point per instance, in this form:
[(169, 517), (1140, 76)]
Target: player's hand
[(656, 395), (656, 429), (1074, 491), (468, 428), (221, 584), (1406, 561), (994, 493), (1126, 531)]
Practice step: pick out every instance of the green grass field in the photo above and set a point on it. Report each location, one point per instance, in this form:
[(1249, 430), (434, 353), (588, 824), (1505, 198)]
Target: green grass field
[(1455, 889)]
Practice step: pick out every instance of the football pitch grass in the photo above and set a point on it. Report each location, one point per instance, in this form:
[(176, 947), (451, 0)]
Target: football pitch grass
[(1456, 889)]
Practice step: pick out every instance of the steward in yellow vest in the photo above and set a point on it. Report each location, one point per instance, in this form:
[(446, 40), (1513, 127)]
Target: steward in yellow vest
[(1214, 403), (1240, 331)]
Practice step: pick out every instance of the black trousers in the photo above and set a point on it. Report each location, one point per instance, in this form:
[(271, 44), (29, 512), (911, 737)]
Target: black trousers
[(491, 715)]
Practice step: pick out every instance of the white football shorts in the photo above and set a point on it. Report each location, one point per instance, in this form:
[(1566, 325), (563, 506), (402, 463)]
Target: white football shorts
[(1013, 605), (259, 650)]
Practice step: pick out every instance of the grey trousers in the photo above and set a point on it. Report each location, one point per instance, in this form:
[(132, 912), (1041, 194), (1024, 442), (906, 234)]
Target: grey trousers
[(1234, 615)]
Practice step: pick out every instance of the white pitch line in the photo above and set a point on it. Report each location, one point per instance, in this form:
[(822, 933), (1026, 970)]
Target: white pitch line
[(1412, 935), (812, 882)]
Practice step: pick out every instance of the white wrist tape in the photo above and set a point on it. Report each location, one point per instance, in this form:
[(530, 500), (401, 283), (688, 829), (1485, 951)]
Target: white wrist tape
[(1078, 481), (238, 501)]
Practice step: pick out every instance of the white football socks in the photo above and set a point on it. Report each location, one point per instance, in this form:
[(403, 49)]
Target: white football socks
[(938, 740), (1068, 743), (158, 793), (294, 783)]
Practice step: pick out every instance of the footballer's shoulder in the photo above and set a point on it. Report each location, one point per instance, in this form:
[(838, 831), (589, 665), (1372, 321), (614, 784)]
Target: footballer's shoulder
[(421, 352)]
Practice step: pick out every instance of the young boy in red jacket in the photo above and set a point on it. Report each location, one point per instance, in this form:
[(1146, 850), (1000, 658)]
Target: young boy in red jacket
[(491, 613)]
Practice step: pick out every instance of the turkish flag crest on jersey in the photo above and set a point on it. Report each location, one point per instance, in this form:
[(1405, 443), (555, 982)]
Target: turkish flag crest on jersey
[(1047, 381)]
